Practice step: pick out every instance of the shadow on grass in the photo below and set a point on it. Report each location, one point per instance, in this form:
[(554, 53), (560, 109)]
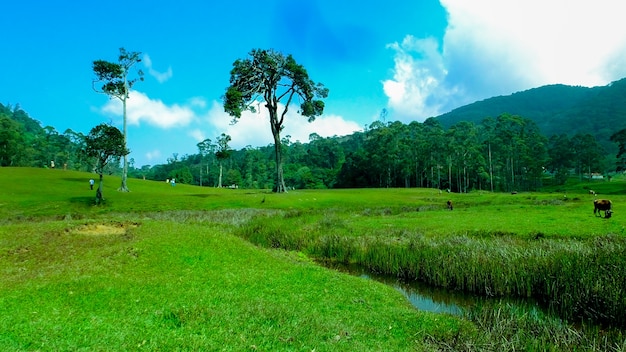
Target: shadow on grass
[(203, 195), (77, 180), (83, 200)]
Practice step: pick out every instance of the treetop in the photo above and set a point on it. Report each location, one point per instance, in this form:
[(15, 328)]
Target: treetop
[(270, 76)]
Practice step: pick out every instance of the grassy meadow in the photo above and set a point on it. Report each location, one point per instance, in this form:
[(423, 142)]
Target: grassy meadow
[(191, 268)]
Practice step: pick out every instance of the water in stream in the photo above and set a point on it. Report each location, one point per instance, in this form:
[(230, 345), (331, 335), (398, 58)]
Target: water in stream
[(433, 299), (439, 300)]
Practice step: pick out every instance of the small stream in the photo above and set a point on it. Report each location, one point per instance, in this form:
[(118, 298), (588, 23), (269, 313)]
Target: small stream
[(433, 299)]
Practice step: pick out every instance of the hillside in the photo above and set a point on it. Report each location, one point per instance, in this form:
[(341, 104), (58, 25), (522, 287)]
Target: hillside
[(556, 109)]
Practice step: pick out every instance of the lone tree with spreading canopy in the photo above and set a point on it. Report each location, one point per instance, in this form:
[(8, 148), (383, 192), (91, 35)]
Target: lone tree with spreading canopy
[(116, 84), (103, 143), (269, 76)]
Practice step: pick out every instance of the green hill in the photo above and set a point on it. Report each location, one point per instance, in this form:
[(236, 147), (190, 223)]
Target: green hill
[(556, 109)]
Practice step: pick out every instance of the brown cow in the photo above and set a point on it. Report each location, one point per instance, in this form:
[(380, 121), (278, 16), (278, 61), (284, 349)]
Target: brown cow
[(603, 205), (449, 203)]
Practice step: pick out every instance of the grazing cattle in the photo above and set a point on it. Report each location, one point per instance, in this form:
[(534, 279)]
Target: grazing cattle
[(592, 192), (603, 205), (449, 203)]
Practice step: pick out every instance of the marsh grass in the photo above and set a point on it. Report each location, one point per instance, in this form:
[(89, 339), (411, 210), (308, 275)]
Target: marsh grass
[(577, 278), (505, 327), (579, 281)]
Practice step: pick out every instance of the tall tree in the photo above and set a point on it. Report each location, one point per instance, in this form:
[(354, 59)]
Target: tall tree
[(116, 84), (588, 154), (205, 148), (464, 151), (562, 156), (276, 79), (619, 137), (223, 152), (104, 143)]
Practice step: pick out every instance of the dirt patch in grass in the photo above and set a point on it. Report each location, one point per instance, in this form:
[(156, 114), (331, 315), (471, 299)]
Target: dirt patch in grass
[(104, 229)]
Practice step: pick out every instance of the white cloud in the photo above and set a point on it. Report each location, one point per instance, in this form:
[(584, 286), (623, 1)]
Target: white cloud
[(153, 155), (140, 108), (253, 128), (160, 76), (499, 47), (197, 102), (197, 135), (417, 88), (536, 41)]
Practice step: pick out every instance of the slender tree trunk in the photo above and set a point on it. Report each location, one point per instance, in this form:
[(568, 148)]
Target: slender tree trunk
[(99, 197), (464, 176), (512, 176), (438, 176), (123, 186), (450, 173), (417, 176), (490, 168), (280, 179), (200, 173), (219, 182)]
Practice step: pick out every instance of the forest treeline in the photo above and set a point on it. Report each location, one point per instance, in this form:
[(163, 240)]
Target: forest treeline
[(599, 111), (505, 153)]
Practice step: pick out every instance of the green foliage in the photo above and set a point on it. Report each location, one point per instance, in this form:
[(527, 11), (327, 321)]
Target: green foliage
[(116, 83), (505, 153), (619, 137), (182, 175), (233, 177), (103, 144), (24, 142), (599, 111), (223, 149), (114, 76), (11, 142), (269, 77)]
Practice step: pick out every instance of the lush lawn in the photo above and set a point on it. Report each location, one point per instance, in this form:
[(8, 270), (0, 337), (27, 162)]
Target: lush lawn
[(119, 278), (168, 268), (169, 286)]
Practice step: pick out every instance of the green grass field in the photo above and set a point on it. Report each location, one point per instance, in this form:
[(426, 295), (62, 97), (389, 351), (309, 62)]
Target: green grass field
[(169, 268)]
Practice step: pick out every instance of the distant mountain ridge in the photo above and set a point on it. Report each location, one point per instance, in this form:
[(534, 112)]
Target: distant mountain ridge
[(556, 109)]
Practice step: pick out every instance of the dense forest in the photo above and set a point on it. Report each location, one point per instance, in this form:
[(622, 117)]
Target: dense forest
[(556, 109), (480, 146)]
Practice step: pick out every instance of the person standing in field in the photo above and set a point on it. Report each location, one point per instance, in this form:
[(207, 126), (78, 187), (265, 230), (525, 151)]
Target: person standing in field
[(91, 182)]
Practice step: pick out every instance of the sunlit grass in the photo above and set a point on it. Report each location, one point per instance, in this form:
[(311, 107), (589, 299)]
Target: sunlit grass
[(164, 268), (169, 285)]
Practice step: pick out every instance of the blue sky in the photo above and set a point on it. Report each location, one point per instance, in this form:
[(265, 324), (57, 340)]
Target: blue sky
[(414, 58)]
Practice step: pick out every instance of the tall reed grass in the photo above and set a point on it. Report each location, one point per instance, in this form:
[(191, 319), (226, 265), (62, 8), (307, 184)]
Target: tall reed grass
[(505, 327), (579, 279)]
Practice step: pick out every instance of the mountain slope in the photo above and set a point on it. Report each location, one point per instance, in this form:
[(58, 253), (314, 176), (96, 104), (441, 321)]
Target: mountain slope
[(556, 109)]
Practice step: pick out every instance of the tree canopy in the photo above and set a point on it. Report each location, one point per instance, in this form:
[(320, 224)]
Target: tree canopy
[(223, 152), (103, 143), (502, 154), (116, 83), (269, 76)]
